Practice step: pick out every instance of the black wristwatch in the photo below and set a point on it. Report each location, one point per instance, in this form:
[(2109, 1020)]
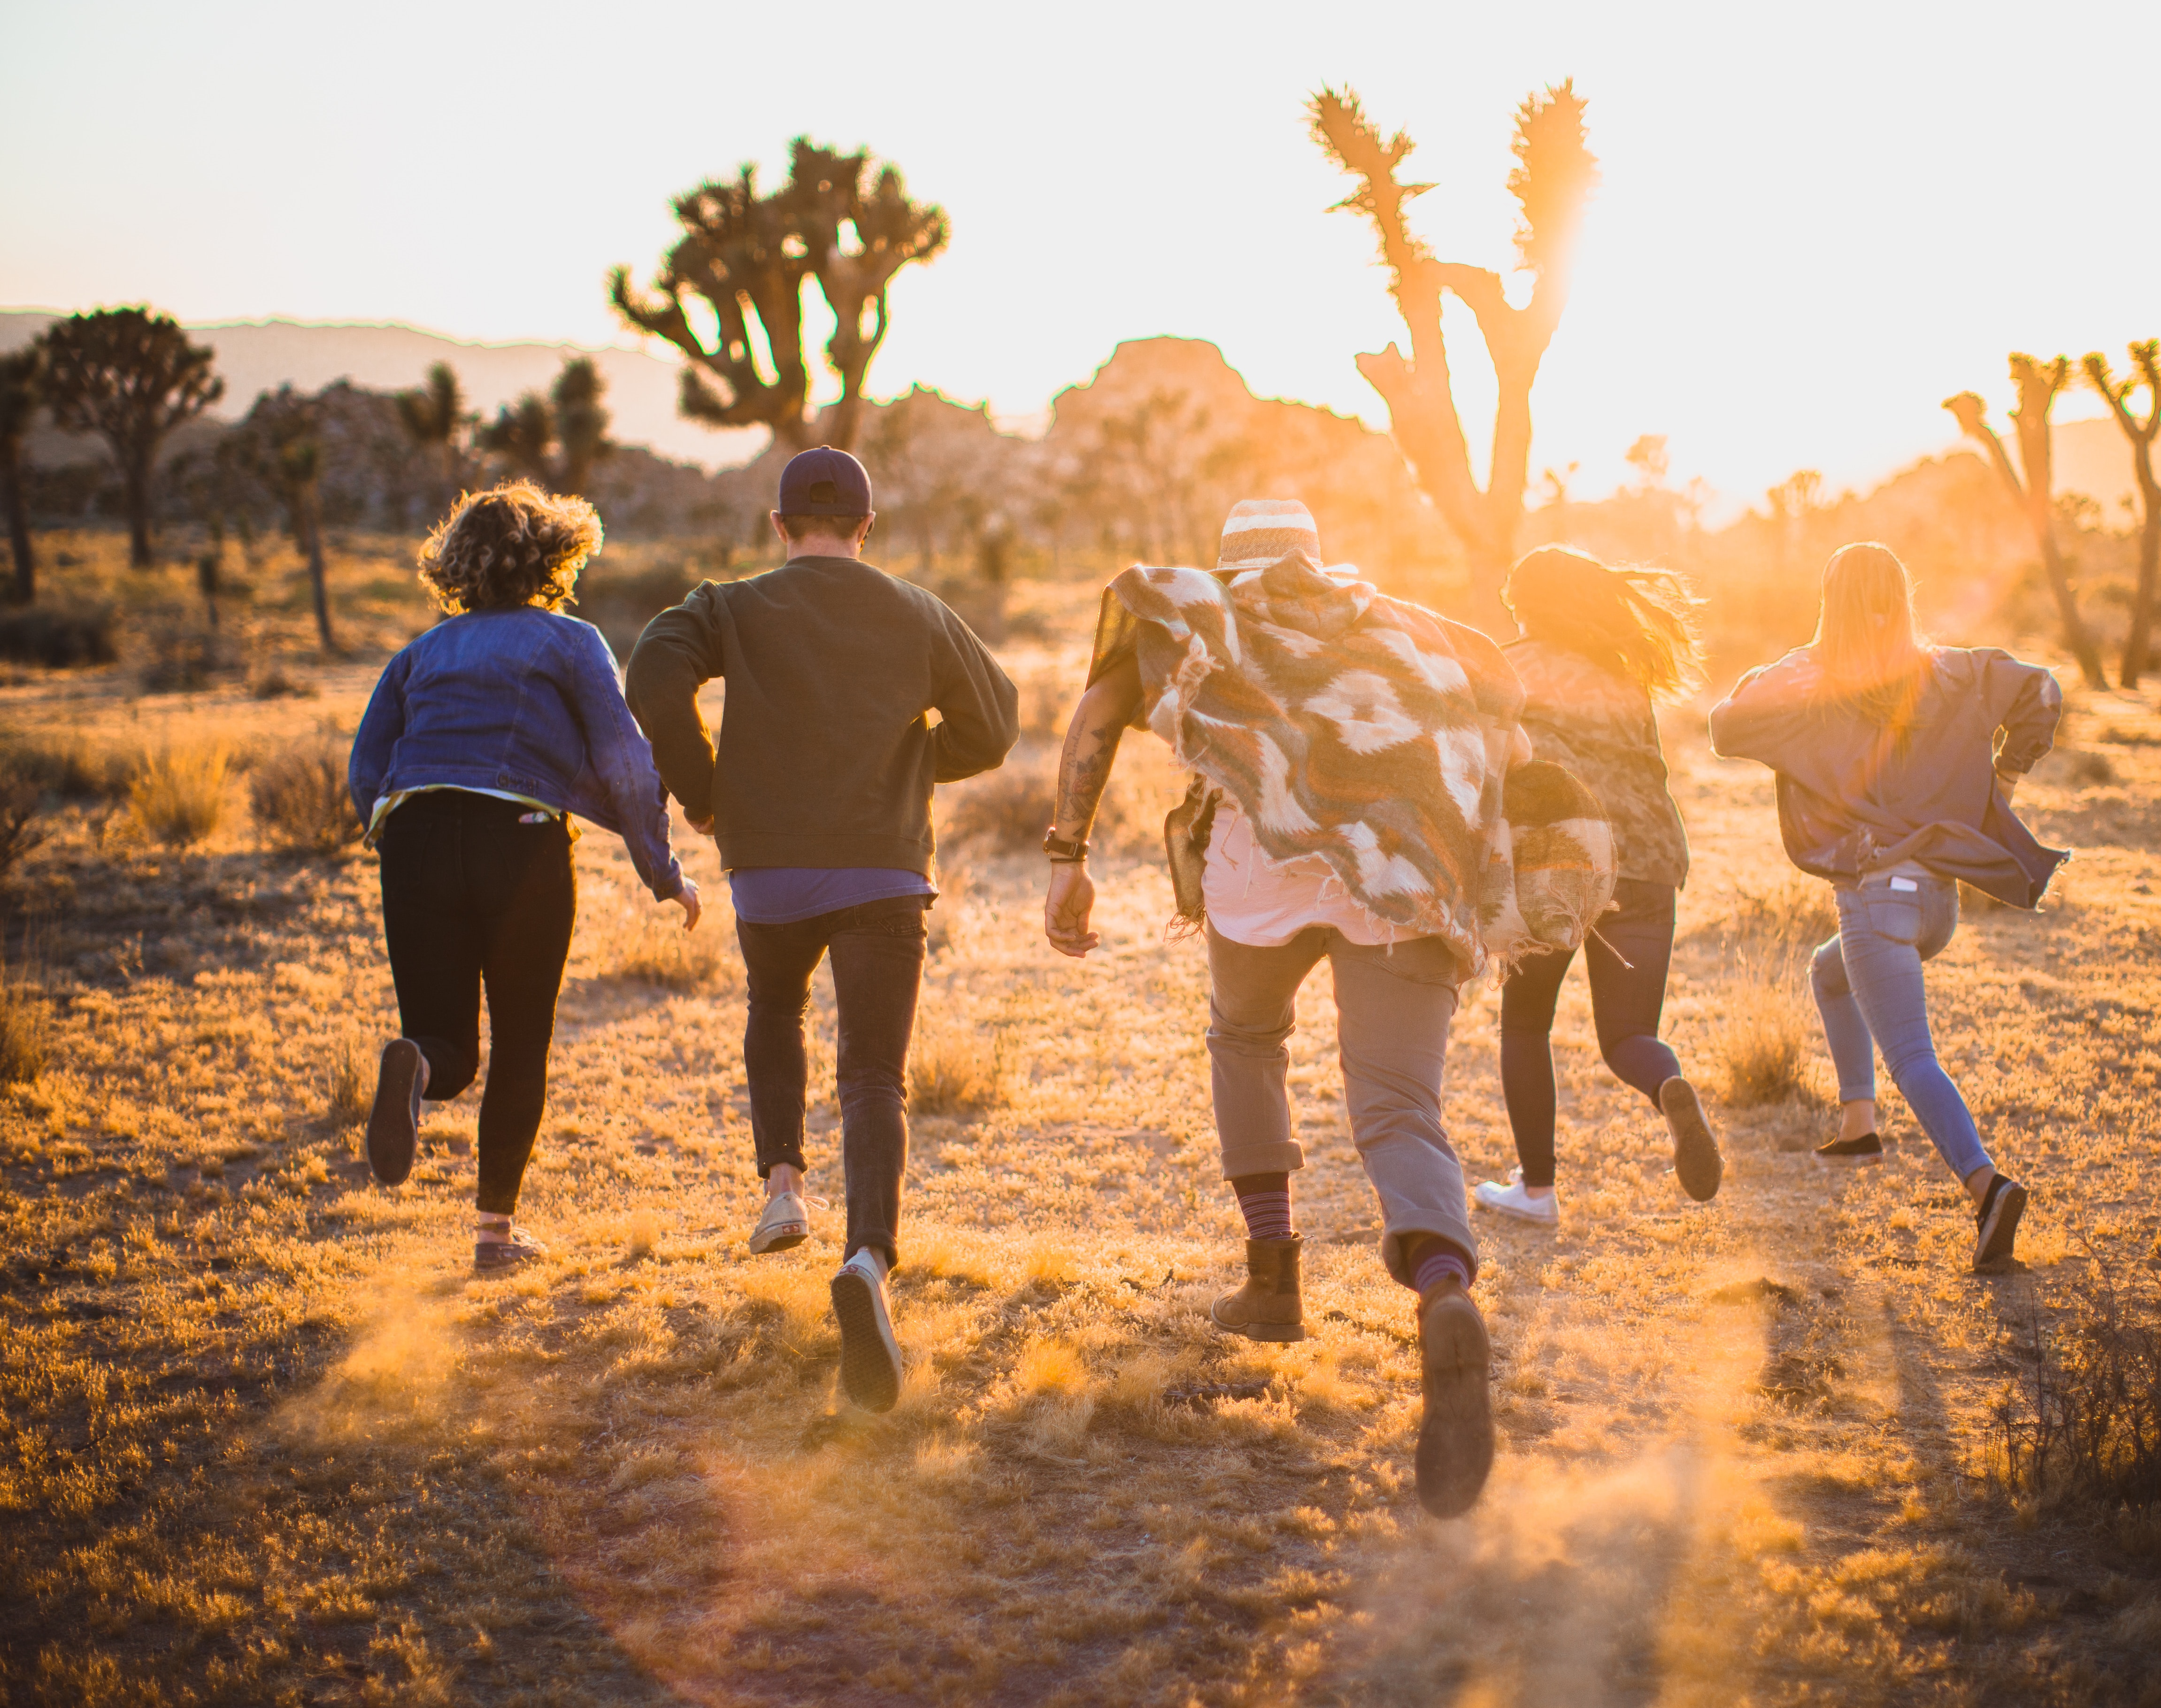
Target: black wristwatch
[(1063, 851)]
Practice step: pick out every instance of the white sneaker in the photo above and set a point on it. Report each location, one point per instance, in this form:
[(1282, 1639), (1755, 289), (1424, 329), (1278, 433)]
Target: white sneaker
[(870, 1356), (1510, 1199)]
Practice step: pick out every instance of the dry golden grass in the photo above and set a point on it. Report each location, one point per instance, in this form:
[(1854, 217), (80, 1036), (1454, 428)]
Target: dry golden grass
[(178, 794), (267, 1441), (298, 800)]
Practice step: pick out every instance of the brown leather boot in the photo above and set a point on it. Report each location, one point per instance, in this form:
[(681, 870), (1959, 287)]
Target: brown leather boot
[(1456, 1436), (1267, 1307)]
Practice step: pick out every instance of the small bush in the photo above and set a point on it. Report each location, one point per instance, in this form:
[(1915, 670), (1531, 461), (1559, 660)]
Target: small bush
[(181, 662), (179, 795), (273, 683), (2085, 1424), (1008, 808), (656, 950), (349, 1079), (1783, 922), (299, 800), (19, 828), (60, 638), (953, 1072), (67, 765), (24, 1018), (1761, 1043)]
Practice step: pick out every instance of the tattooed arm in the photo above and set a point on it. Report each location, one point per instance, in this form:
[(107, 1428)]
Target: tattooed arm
[(1092, 744)]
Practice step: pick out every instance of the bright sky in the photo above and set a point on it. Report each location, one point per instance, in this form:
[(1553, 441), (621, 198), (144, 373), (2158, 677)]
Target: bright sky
[(1816, 223)]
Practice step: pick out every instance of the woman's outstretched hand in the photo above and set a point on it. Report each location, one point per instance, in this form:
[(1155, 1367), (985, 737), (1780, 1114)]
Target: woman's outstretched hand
[(686, 898)]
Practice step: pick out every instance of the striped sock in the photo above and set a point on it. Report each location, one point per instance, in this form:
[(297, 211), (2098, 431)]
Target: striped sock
[(1437, 1266), (1264, 1200)]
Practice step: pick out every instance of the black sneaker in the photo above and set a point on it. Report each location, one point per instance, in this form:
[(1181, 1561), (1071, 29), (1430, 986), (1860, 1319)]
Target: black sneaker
[(1996, 1223), (1867, 1149), (520, 1249), (394, 1124)]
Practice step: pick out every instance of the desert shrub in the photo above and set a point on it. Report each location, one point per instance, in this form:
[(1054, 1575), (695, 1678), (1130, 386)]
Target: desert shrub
[(181, 662), (63, 764), (275, 684), (1780, 923), (1760, 1042), (349, 1078), (299, 800), (179, 795), (59, 639), (19, 830), (24, 1018), (951, 1071), (2083, 1424), (655, 950), (1007, 808)]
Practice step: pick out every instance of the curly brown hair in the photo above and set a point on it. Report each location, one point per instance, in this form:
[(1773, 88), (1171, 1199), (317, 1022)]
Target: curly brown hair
[(513, 544)]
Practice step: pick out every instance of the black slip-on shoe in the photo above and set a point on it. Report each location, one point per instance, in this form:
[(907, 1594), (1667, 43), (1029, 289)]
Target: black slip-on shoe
[(519, 1249), (1867, 1149), (870, 1356), (1996, 1223), (1455, 1435), (394, 1124), (1697, 1164)]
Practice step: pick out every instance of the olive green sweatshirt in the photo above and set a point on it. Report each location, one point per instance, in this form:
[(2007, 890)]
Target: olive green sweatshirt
[(826, 755)]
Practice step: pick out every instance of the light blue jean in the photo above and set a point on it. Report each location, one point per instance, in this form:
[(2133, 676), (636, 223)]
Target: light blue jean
[(1868, 988)]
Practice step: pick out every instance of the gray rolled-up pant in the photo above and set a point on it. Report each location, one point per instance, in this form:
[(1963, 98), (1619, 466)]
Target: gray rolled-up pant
[(1393, 1004)]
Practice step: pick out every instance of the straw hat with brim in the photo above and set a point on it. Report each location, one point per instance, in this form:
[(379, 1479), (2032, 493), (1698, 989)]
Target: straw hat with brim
[(1263, 531)]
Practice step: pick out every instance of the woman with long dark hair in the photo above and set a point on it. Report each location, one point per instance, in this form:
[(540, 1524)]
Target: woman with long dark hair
[(1600, 646), (1897, 761), (481, 740)]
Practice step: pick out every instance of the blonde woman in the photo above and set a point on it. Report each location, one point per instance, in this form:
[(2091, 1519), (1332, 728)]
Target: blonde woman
[(483, 736), (1896, 763), (1600, 645)]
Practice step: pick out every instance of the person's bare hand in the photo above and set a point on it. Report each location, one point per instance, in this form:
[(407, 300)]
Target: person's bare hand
[(686, 898), (1067, 907)]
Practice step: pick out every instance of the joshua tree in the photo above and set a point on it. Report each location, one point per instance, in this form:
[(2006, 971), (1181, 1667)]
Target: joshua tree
[(529, 434), (283, 435), (2038, 383), (130, 377), (747, 255), (22, 372), (434, 417), (1554, 176), (2146, 360)]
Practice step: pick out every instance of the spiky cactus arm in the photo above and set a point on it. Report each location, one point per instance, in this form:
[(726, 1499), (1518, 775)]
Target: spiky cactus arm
[(1554, 176), (2146, 364)]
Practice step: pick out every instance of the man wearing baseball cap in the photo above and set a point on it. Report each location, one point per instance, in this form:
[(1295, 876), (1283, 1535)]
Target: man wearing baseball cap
[(818, 792)]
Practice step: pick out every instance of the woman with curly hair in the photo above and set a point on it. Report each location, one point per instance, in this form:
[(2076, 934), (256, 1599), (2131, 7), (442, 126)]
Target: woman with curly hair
[(1600, 645), (483, 737)]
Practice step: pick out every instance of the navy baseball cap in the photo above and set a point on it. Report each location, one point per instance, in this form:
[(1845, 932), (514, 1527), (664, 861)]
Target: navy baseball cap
[(823, 481)]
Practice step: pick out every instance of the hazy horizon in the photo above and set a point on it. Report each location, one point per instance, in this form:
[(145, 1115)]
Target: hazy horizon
[(1805, 240)]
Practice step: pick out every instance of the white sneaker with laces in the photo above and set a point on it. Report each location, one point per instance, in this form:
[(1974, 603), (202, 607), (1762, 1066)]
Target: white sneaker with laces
[(1509, 1198)]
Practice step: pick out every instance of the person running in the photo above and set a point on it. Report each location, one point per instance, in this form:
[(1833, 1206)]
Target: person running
[(1897, 761), (480, 741), (818, 793), (1599, 646), (1350, 751)]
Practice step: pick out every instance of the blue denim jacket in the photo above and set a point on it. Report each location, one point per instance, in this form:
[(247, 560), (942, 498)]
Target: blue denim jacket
[(526, 702)]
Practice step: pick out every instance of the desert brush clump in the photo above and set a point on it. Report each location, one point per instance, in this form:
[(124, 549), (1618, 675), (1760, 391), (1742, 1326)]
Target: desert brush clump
[(952, 1070), (299, 802), (1761, 1042), (348, 1078), (178, 796), (2081, 1424), (21, 802), (25, 1029)]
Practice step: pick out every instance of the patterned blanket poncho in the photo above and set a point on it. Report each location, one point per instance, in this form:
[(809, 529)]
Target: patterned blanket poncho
[(1374, 734)]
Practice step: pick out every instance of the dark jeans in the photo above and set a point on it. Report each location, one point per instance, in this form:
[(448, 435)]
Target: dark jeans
[(470, 897), (878, 971), (1625, 1003)]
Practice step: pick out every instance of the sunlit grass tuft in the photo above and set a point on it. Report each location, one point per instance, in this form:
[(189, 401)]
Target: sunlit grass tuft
[(951, 1071), (178, 797)]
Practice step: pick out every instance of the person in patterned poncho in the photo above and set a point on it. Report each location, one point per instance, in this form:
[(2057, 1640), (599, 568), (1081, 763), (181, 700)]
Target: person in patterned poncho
[(1353, 757), (1598, 645)]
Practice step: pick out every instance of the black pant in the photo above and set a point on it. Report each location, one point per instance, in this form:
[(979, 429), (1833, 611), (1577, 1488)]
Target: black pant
[(878, 971), (471, 896), (1625, 1003)]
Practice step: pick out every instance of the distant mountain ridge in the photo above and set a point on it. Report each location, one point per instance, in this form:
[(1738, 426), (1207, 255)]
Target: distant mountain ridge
[(260, 356)]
